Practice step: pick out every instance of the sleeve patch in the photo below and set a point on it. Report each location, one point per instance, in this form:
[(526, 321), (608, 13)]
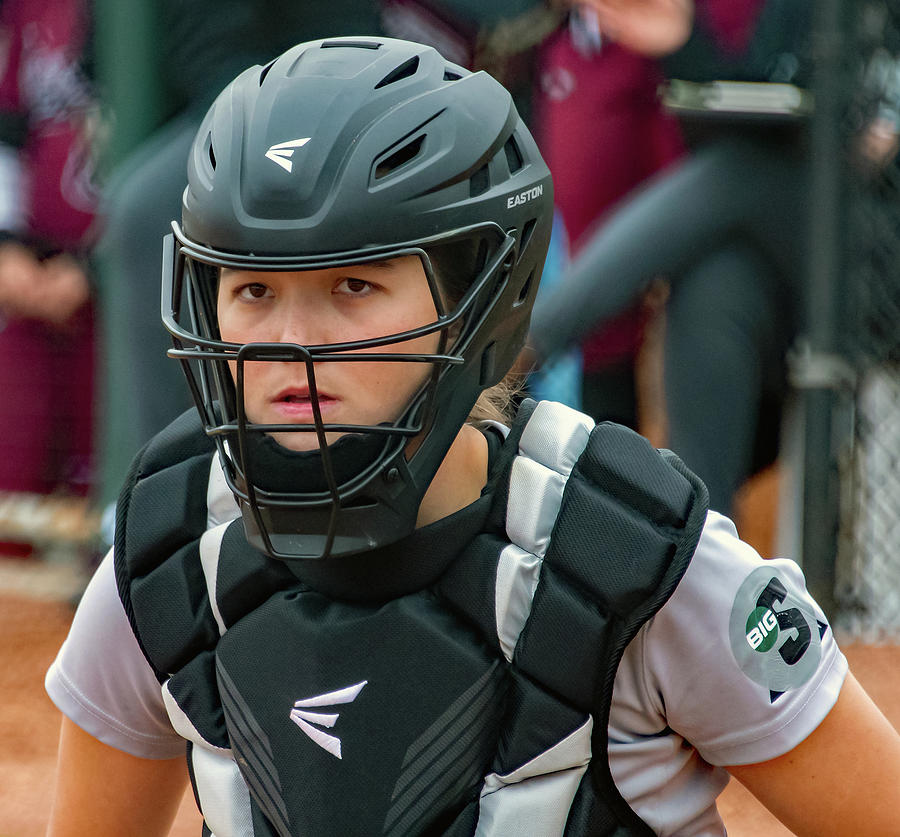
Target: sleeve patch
[(775, 635)]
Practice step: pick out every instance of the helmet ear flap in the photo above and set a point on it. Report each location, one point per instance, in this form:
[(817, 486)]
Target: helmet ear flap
[(457, 264), (488, 376)]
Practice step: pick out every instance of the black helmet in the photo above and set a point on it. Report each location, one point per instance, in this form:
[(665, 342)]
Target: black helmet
[(339, 152)]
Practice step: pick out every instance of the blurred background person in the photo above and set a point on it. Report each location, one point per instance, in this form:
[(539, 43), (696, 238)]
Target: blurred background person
[(726, 227), (47, 207), (586, 86)]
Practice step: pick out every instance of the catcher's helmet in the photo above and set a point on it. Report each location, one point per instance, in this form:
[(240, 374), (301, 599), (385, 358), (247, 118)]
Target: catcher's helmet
[(344, 151)]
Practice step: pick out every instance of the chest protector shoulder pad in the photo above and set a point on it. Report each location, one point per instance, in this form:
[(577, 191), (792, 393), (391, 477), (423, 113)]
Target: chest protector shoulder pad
[(160, 514), (615, 523)]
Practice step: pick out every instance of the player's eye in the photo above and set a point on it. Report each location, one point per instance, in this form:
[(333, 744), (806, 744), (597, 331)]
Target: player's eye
[(353, 287), (253, 290)]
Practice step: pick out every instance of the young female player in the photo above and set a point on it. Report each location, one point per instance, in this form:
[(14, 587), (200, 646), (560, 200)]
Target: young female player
[(364, 607)]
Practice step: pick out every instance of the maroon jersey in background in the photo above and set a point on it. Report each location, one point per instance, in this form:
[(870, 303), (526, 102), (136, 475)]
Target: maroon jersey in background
[(602, 131), (46, 370)]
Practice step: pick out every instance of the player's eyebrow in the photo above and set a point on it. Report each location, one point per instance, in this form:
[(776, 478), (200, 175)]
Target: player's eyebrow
[(388, 263), (383, 264), (379, 264)]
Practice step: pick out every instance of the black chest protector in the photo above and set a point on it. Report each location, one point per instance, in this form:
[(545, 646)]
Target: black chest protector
[(456, 683)]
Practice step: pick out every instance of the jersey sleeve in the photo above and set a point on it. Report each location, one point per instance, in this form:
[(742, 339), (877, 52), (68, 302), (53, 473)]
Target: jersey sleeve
[(101, 681), (741, 660)]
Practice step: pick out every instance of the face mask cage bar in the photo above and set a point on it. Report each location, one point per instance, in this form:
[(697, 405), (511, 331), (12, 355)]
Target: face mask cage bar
[(190, 294)]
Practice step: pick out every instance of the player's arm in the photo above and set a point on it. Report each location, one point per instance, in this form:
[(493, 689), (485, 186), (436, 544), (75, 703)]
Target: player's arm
[(106, 792), (844, 778)]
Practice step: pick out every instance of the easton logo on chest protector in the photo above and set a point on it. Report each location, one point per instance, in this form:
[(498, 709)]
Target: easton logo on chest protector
[(310, 722)]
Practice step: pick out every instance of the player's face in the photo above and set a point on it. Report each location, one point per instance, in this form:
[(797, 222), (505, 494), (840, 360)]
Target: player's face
[(325, 306)]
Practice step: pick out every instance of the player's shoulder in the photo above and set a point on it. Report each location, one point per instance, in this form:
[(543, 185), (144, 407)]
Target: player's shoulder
[(741, 660), (723, 561)]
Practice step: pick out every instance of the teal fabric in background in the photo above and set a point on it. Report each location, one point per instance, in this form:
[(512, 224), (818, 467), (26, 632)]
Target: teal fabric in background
[(559, 378)]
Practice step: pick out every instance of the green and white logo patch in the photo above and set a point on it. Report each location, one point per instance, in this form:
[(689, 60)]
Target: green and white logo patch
[(775, 636), (762, 629)]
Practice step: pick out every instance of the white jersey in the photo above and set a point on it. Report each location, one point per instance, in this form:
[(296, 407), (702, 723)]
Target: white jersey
[(738, 667)]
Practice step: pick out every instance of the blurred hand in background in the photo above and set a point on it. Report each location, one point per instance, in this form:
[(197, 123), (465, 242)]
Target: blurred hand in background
[(50, 290), (653, 28)]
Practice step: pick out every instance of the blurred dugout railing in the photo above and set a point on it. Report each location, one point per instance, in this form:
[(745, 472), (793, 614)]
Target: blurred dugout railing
[(847, 363)]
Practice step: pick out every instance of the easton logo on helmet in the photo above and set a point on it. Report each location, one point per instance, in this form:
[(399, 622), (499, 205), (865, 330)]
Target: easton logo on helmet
[(282, 152), (523, 197)]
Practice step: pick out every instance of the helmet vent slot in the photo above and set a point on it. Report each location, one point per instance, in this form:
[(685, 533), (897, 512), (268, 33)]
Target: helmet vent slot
[(210, 153), (479, 182), (405, 70), (399, 158), (265, 72), (526, 288), (527, 232), (513, 156), (351, 44), (451, 75)]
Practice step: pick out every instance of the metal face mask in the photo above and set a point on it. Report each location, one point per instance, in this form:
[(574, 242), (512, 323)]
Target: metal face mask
[(363, 490)]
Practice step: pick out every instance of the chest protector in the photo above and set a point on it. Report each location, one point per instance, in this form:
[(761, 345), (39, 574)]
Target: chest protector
[(474, 703)]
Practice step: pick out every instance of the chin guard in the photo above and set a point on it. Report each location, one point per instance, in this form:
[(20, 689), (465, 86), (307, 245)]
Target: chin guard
[(373, 517)]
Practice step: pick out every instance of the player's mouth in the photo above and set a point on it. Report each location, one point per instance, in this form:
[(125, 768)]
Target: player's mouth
[(295, 404)]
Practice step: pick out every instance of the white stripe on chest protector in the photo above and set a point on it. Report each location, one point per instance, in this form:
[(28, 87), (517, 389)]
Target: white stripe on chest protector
[(517, 578), (210, 544), (184, 726), (220, 502), (534, 800), (549, 447), (555, 436), (221, 509), (224, 797)]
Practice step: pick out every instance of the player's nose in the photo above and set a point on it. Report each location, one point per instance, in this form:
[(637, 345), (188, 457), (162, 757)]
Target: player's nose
[(304, 325)]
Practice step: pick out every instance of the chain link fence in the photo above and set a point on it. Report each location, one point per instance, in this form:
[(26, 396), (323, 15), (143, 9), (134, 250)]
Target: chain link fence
[(867, 577)]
